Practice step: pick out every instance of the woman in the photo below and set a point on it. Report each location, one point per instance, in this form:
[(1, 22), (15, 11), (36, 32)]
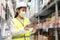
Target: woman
[(20, 23)]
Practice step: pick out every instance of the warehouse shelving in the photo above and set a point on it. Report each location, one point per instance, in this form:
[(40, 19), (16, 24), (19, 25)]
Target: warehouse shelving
[(53, 6), (56, 7)]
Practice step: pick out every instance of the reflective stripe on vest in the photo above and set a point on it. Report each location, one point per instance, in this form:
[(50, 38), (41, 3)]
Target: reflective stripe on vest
[(20, 37)]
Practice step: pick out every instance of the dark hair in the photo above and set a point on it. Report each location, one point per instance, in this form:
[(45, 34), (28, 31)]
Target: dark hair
[(16, 14)]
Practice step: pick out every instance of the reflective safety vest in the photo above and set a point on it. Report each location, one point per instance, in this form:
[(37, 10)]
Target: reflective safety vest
[(19, 25)]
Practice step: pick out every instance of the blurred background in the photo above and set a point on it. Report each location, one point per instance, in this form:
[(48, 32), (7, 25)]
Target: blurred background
[(47, 13)]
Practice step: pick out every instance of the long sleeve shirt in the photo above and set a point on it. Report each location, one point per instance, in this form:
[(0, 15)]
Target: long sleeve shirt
[(14, 31)]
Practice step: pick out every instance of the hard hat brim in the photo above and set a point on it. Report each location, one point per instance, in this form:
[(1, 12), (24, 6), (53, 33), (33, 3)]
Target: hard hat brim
[(21, 7)]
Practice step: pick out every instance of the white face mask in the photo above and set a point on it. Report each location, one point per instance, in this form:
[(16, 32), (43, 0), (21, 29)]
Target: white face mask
[(23, 14)]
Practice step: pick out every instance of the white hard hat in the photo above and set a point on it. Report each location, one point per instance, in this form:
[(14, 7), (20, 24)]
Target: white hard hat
[(21, 4)]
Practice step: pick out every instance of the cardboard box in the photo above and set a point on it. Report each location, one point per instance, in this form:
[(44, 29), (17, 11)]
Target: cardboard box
[(35, 37)]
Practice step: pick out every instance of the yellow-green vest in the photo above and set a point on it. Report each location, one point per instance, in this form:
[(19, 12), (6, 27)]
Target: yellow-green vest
[(19, 25)]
